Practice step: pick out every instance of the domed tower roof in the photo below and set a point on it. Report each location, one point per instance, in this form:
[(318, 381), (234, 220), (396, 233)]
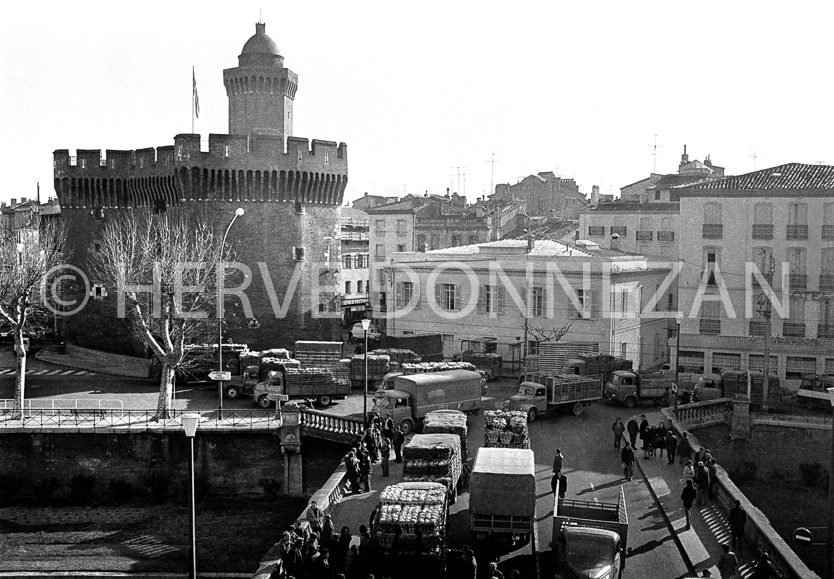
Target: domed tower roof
[(260, 50)]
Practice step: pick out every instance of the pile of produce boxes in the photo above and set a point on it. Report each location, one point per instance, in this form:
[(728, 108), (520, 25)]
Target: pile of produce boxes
[(505, 429)]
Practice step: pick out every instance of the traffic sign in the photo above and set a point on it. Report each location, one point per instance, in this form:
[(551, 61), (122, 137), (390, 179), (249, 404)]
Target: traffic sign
[(220, 376)]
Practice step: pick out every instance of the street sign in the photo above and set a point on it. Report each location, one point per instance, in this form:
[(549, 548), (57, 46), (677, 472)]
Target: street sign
[(220, 376), (811, 536)]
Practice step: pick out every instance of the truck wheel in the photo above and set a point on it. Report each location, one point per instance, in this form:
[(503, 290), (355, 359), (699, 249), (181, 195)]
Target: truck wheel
[(264, 402), (325, 400), (578, 408), (631, 402), (232, 392), (532, 414), (407, 426)]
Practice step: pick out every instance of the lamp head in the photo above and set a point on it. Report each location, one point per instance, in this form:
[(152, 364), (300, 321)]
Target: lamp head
[(190, 422), (366, 324), (239, 211)]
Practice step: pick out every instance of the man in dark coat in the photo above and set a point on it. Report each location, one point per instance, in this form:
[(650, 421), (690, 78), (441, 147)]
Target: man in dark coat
[(399, 440), (633, 428), (738, 517)]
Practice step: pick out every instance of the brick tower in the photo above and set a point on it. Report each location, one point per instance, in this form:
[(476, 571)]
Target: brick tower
[(260, 90), (289, 187)]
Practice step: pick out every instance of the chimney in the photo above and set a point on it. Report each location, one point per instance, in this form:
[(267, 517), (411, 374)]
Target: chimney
[(615, 241), (594, 194)]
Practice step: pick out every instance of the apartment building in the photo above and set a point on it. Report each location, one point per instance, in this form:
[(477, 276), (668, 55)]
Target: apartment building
[(779, 219)]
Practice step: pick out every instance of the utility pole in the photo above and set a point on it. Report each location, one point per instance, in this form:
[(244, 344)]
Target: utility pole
[(766, 313)]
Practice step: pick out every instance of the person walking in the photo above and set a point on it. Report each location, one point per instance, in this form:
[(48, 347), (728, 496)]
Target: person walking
[(702, 483), (671, 446), (727, 563), (385, 454), (618, 428), (688, 497), (737, 520), (633, 428), (398, 441), (644, 435), (684, 448), (627, 460), (558, 462)]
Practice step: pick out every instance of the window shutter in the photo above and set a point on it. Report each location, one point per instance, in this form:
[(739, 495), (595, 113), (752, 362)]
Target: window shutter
[(499, 299), (438, 296), (481, 305), (398, 295)]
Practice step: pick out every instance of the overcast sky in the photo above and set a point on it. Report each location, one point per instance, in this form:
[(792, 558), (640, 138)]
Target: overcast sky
[(425, 93)]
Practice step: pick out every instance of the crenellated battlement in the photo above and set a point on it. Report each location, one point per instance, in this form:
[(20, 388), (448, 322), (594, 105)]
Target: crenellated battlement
[(261, 167)]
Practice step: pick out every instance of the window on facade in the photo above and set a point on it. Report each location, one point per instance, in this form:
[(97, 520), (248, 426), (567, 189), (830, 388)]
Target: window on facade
[(456, 240), (447, 296), (587, 304), (537, 307), (347, 287)]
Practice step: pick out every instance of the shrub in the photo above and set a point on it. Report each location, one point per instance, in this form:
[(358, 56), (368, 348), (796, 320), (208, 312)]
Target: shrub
[(271, 487), (745, 473), (121, 491), (813, 475), (158, 484), (47, 487), (10, 485), (82, 486)]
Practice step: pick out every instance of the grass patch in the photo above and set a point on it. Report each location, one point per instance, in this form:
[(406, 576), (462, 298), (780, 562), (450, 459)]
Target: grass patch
[(233, 533)]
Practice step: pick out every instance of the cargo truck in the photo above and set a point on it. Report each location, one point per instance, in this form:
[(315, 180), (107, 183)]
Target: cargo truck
[(629, 388), (414, 396), (502, 496), (590, 538), (410, 527), (540, 393), (731, 382), (434, 458), (311, 384)]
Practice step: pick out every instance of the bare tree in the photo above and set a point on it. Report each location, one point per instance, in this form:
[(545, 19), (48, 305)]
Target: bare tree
[(165, 271), (547, 333), (27, 257)]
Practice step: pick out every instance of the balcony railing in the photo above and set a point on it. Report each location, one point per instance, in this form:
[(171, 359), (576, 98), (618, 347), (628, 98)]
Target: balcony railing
[(825, 331), (828, 231), (712, 231), (793, 329), (762, 231), (645, 235), (596, 230), (798, 281), (710, 326), (797, 232), (666, 236)]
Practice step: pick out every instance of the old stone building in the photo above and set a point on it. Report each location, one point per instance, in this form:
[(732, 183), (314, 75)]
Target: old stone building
[(289, 187)]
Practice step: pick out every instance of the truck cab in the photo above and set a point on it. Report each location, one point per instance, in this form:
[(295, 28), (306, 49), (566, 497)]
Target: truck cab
[(592, 553), (530, 399), (397, 405)]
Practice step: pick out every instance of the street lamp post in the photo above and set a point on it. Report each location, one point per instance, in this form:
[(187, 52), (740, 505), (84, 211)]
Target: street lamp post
[(189, 425), (366, 325), (220, 284), (829, 560)]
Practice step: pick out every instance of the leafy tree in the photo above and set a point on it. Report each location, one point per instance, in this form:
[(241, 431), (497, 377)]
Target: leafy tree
[(28, 257), (165, 272)]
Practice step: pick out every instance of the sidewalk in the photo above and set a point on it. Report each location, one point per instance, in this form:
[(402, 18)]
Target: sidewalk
[(701, 544), (95, 361)]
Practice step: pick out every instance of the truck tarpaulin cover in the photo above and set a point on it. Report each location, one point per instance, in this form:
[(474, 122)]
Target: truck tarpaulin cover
[(503, 482), (430, 446)]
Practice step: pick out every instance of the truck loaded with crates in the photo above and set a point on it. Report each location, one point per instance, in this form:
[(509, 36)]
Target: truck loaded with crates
[(505, 429), (541, 393), (410, 527), (434, 458), (590, 538), (413, 397), (502, 496)]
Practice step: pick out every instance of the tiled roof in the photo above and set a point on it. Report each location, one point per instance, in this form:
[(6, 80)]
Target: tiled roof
[(790, 176)]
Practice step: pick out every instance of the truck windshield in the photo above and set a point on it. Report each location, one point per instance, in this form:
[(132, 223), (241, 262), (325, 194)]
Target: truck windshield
[(589, 551), (527, 390)]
